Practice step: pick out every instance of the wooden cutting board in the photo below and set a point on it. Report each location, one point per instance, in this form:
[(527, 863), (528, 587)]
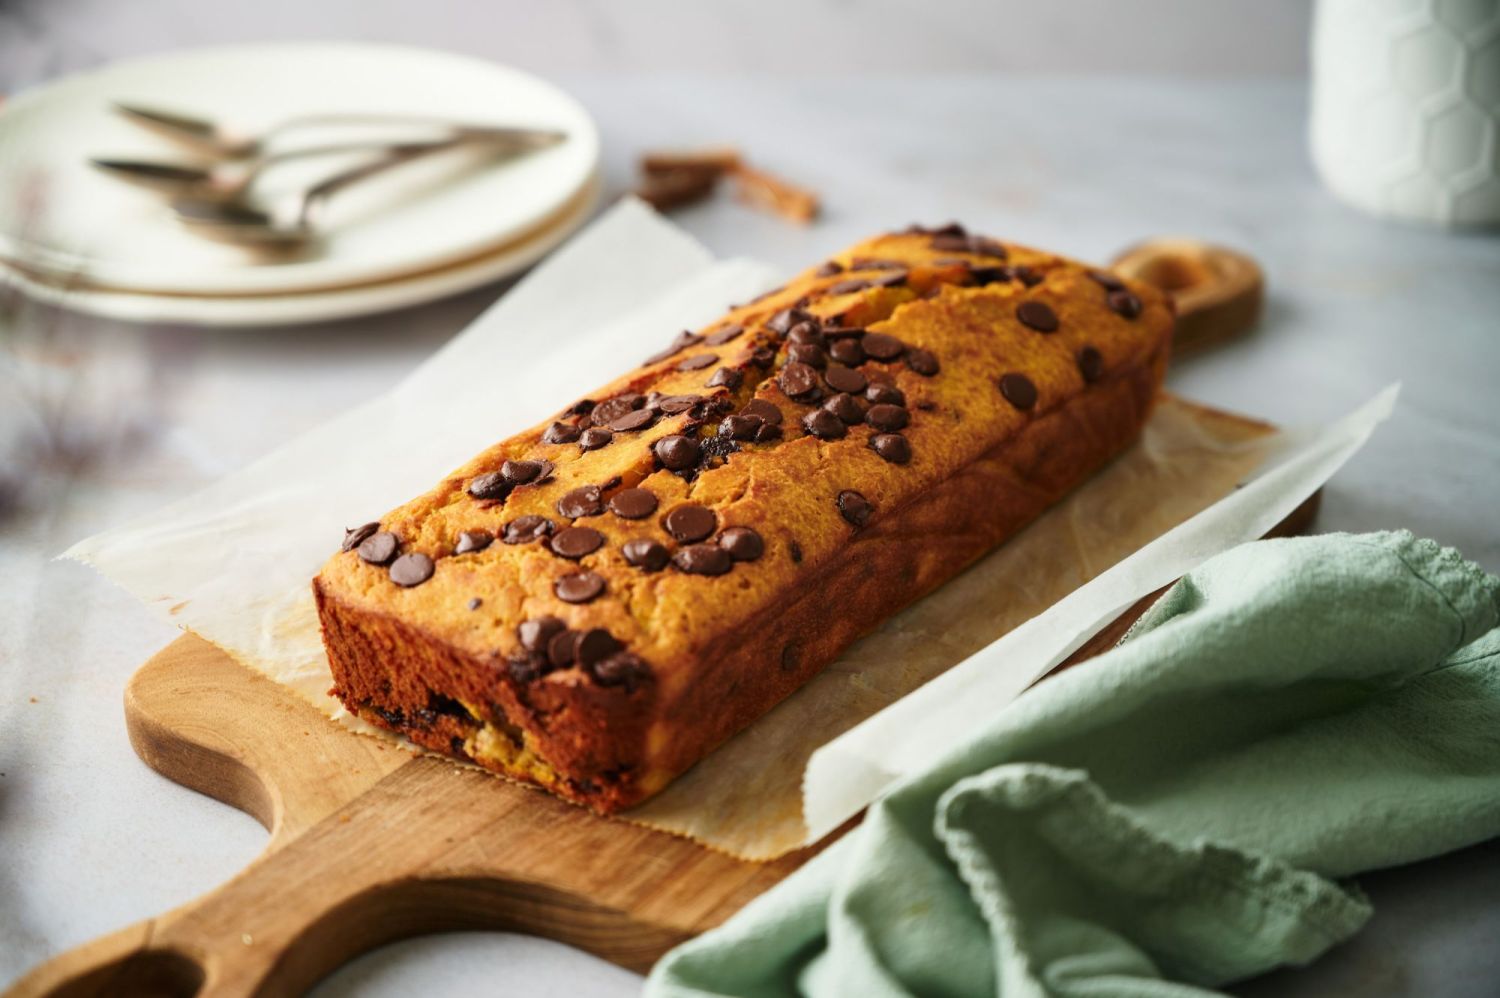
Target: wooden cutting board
[(370, 844)]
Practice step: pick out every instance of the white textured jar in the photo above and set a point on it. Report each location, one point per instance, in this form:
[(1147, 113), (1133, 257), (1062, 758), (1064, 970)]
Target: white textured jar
[(1406, 107)]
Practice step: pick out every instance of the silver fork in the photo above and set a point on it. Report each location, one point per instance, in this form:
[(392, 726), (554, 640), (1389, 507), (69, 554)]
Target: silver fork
[(239, 222), (225, 142), (230, 181)]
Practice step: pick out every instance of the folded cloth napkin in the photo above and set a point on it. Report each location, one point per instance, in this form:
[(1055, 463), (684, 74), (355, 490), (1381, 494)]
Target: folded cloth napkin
[(1169, 816)]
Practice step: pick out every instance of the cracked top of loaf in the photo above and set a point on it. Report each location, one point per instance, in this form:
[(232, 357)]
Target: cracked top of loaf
[(687, 498)]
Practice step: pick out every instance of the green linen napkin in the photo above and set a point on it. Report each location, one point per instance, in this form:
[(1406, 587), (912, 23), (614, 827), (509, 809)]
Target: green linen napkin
[(1169, 816)]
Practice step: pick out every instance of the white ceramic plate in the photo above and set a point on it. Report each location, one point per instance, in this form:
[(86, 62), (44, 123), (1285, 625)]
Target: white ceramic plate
[(312, 306), (60, 216)]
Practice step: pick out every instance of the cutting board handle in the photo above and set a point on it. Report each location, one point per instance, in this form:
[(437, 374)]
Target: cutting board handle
[(370, 844), (1218, 291)]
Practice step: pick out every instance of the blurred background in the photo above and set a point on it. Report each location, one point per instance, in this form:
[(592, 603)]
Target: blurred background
[(821, 38), (1082, 126)]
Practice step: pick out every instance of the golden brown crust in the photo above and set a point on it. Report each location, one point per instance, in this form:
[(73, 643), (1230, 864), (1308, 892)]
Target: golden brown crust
[(706, 655)]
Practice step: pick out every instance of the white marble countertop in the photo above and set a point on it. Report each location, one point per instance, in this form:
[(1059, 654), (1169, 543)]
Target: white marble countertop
[(93, 840)]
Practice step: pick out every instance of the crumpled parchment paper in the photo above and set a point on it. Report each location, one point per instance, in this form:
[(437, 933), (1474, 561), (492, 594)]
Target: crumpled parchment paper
[(233, 562)]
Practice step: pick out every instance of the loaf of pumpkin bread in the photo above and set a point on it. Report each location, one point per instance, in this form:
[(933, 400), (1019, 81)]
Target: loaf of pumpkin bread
[(596, 603)]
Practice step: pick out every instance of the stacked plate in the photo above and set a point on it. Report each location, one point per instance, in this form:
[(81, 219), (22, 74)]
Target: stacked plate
[(71, 234)]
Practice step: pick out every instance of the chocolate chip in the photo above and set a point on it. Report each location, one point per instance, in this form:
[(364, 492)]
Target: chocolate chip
[(854, 507), (633, 504), (643, 552), (881, 393), (582, 501), (764, 409), (887, 418), (795, 550), (829, 269), (868, 263), (525, 529), (726, 377), (987, 247), (690, 523), (848, 287), (710, 409), (637, 420), (824, 425), (1090, 364), (847, 351), (1124, 303), (716, 450), (580, 587), (676, 452), (524, 668), (782, 322), (490, 486), (923, 362), (892, 280), (575, 542), (473, 540), (594, 437), (892, 446), (989, 274), (354, 538), (561, 649), (740, 427), (521, 472), (1026, 275), (1037, 315), (846, 407), (806, 353), (698, 362), (411, 569), (534, 634), (379, 549), (844, 379), (1018, 390), (673, 404), (950, 242), (950, 229), (767, 431), (703, 559), (882, 346), (683, 341), (961, 242), (722, 336), (593, 646), (807, 332), (608, 411), (621, 669), (762, 357), (560, 433), (800, 382), (1106, 280), (742, 543), (475, 603)]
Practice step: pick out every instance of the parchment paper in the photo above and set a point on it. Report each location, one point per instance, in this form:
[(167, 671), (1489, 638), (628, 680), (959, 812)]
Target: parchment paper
[(233, 562)]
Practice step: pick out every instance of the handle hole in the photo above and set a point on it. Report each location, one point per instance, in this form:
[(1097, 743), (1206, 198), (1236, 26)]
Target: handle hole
[(1172, 272), (151, 974)]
